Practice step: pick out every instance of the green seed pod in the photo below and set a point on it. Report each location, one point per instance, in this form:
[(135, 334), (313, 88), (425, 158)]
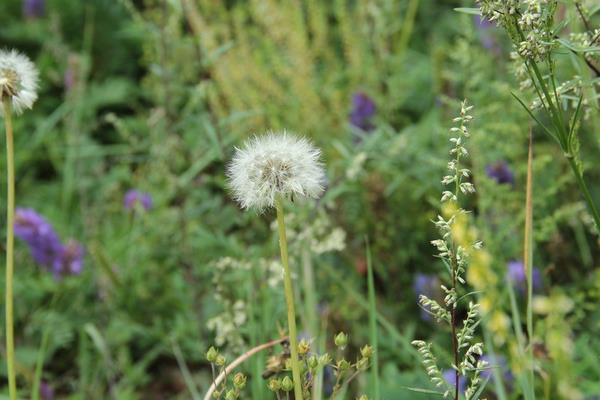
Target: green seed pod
[(341, 340), (239, 380), (220, 360), (313, 361), (366, 351), (287, 384), (274, 385), (231, 395), (211, 354), (303, 347)]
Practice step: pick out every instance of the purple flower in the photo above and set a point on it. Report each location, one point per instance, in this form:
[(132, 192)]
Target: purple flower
[(34, 8), (39, 235), (134, 197), (485, 29), (46, 391), (70, 259), (516, 275), (507, 376), (45, 245), (449, 376), (427, 285), (500, 172), (363, 109)]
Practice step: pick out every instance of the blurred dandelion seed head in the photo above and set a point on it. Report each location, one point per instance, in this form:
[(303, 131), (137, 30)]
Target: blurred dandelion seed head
[(18, 80), (276, 164)]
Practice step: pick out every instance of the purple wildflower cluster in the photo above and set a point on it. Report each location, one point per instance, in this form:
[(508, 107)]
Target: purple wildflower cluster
[(46, 391), (363, 110), (427, 285), (486, 34), (134, 197), (500, 172), (34, 8), (516, 275), (46, 248)]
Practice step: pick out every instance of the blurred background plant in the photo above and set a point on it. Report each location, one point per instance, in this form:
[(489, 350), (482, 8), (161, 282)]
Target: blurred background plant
[(150, 96)]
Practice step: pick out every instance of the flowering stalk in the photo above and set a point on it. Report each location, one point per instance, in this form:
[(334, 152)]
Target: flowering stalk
[(289, 298), (10, 241), (455, 251), (530, 25)]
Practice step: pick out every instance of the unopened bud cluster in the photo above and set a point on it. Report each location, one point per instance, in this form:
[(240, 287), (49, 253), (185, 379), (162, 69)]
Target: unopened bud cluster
[(312, 364), (218, 365)]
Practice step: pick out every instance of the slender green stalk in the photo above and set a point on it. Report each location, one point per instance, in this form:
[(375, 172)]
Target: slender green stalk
[(586, 192), (528, 258), (373, 326), (310, 310), (10, 241), (289, 297), (41, 356)]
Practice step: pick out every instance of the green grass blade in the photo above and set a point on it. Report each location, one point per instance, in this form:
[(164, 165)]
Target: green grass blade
[(373, 325), (185, 372)]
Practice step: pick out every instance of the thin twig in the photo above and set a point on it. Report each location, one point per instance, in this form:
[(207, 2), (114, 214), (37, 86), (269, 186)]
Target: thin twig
[(238, 361)]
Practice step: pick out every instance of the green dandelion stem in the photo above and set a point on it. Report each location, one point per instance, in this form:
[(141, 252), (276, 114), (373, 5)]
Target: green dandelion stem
[(10, 240), (289, 297)]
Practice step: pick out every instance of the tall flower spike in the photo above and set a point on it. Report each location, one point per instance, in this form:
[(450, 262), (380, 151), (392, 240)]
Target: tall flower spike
[(18, 80), (276, 164)]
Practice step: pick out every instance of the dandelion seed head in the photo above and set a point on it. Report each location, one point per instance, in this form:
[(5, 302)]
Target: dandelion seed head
[(276, 164), (18, 80)]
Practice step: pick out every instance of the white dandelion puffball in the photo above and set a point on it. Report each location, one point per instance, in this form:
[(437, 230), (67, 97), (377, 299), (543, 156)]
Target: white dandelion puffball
[(276, 164), (18, 80)]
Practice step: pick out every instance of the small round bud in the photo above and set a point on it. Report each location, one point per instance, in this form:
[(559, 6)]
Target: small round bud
[(343, 365), (303, 347), (363, 397), (325, 359), (239, 380), (313, 361), (366, 351), (216, 394), (287, 384), (274, 385), (220, 360), (341, 340), (231, 395), (362, 364), (211, 354)]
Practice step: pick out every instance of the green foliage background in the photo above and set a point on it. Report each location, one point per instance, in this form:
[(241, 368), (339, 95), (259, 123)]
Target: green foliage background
[(162, 92)]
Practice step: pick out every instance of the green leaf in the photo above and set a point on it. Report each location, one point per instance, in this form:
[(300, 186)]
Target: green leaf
[(578, 49), (468, 10), (571, 137), (481, 388), (548, 131), (419, 390)]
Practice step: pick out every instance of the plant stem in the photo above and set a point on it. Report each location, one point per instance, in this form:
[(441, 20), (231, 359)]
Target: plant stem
[(373, 334), (289, 297), (10, 240), (586, 192), (528, 258), (454, 341)]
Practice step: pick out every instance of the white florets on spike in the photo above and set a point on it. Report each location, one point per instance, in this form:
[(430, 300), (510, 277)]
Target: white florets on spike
[(276, 164), (18, 80)]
